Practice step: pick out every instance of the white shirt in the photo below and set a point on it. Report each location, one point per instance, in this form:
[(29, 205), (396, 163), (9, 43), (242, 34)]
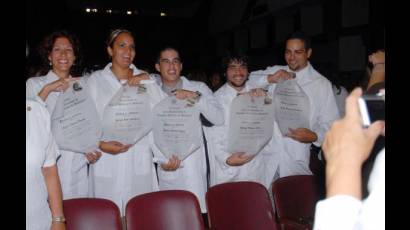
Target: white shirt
[(343, 212), (192, 176), (294, 155), (72, 167), (261, 169), (41, 151), (122, 176)]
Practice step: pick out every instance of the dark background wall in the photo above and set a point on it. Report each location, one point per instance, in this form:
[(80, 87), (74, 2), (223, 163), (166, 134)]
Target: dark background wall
[(343, 32)]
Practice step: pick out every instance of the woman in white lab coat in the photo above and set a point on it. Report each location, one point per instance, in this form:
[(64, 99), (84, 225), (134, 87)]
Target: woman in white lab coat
[(123, 171), (44, 206), (60, 50)]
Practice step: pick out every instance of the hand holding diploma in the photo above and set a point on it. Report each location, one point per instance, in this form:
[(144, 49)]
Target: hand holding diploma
[(238, 159), (93, 157), (280, 76), (59, 85), (114, 147), (302, 135), (183, 94), (136, 79), (172, 165)]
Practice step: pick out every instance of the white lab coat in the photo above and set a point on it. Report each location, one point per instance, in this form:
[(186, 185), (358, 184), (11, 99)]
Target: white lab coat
[(41, 151), (261, 169), (344, 212), (72, 167), (121, 177), (294, 155), (192, 175)]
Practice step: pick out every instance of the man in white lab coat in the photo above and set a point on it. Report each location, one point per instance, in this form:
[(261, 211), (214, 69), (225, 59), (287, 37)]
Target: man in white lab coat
[(294, 147), (230, 167), (192, 175)]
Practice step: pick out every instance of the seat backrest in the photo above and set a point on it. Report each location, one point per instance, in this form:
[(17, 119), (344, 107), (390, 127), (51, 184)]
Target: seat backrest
[(240, 205), (164, 210), (91, 214), (295, 198)]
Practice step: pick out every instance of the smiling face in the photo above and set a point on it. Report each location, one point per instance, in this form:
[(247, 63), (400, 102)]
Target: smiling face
[(296, 55), (122, 50), (237, 74), (170, 66), (62, 55)]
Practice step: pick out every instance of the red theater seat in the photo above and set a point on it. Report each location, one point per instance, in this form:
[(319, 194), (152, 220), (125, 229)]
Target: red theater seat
[(240, 206), (164, 210), (91, 214)]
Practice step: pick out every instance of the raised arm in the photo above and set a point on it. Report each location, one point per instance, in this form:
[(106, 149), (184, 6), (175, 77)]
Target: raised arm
[(210, 107), (271, 75)]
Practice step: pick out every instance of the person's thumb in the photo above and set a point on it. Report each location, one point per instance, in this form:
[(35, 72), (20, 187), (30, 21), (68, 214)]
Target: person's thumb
[(375, 129)]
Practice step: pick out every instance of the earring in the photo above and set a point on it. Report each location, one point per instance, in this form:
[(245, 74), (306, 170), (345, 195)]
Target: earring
[(51, 64)]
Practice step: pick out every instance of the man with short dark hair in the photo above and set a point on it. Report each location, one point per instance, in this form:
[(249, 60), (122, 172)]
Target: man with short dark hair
[(295, 145), (192, 176)]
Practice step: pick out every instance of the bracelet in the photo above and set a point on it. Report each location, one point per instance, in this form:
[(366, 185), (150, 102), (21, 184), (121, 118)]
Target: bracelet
[(60, 219)]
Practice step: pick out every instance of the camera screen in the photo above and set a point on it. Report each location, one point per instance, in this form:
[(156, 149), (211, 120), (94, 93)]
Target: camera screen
[(375, 109)]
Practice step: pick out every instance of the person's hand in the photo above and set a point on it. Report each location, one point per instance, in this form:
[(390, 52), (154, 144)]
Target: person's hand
[(303, 135), (377, 58), (280, 76), (113, 147), (93, 157), (172, 165), (59, 85), (57, 226), (347, 141), (184, 94), (238, 159), (136, 79), (257, 92)]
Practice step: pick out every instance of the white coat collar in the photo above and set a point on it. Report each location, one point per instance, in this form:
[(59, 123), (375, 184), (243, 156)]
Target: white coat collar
[(107, 72), (51, 76), (232, 91), (185, 82), (107, 69)]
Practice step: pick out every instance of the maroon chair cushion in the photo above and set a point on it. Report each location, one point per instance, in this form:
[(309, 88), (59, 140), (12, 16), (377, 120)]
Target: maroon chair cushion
[(91, 214), (164, 210), (240, 205), (295, 200)]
